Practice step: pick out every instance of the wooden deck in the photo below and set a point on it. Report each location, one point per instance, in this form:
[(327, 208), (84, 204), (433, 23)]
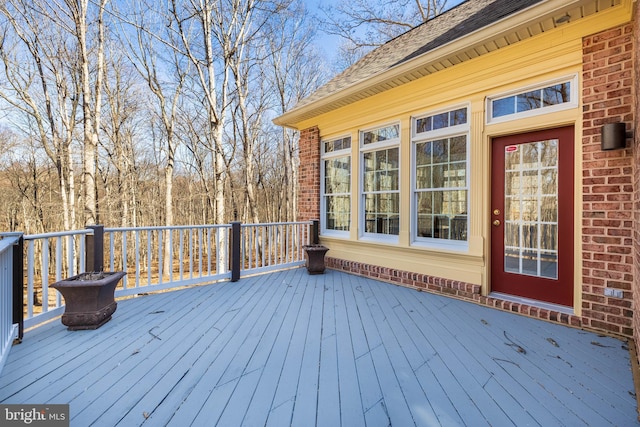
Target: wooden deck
[(335, 349)]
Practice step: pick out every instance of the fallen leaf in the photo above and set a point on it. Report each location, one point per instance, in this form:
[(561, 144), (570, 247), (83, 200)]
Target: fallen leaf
[(597, 344)]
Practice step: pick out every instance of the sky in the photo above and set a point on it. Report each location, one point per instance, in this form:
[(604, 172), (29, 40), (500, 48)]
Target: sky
[(328, 43)]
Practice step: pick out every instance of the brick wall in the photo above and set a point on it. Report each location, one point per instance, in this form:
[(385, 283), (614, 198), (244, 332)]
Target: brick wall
[(636, 183), (309, 175), (610, 225), (607, 182)]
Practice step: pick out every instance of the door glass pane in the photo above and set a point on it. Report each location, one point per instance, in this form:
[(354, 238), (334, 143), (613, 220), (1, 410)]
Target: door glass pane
[(531, 209)]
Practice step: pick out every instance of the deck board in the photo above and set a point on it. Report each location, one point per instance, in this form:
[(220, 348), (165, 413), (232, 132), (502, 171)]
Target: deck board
[(287, 348)]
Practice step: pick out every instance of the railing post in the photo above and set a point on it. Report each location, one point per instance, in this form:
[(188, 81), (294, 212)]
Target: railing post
[(18, 286), (315, 231), (235, 250), (94, 256)]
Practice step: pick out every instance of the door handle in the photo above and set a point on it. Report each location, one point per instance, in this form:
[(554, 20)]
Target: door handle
[(496, 223)]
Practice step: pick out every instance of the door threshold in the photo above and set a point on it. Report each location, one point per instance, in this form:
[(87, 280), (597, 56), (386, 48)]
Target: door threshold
[(532, 302)]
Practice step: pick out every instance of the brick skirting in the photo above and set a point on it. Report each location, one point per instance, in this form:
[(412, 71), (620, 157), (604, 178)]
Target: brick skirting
[(452, 288)]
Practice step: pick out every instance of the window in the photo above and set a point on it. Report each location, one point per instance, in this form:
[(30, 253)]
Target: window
[(381, 181), (440, 181), (336, 189), (539, 100)]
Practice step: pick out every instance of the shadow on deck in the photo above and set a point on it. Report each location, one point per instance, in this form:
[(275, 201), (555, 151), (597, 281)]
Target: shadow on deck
[(336, 349)]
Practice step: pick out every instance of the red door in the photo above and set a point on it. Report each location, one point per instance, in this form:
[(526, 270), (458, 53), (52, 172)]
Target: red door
[(532, 215)]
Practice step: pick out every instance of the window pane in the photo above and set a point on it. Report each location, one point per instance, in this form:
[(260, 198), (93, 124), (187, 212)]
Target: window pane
[(438, 176), (458, 228), (338, 212), (458, 117), (392, 159), (532, 100), (423, 153), (369, 182), (549, 209), (337, 144), (425, 225), (391, 181), (458, 149), (529, 101), (381, 134), (440, 151), (504, 106), (328, 147), (423, 177), (425, 203), (441, 121), (381, 213), (457, 175), (529, 155), (557, 94), (441, 189), (531, 210), (337, 175), (549, 152), (337, 180), (380, 188), (423, 124), (549, 181)]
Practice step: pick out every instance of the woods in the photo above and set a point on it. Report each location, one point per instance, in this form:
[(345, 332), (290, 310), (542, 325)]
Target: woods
[(135, 113), (132, 113)]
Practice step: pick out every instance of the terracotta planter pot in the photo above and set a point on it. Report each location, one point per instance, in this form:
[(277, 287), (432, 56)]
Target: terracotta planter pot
[(315, 258), (89, 299)]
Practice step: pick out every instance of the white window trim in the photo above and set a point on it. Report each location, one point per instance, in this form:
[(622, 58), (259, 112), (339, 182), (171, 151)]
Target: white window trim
[(449, 132), (323, 205), (538, 111), (376, 146)]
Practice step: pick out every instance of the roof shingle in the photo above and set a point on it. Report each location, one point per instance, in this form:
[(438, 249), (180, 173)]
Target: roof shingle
[(460, 21)]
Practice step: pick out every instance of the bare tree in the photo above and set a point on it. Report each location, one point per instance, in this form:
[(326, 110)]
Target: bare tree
[(206, 27), (164, 73), (364, 25), (123, 112), (41, 85), (185, 138), (91, 71), (294, 70)]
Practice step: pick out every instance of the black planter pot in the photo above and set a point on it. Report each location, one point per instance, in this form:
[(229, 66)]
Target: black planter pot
[(315, 258), (89, 299)]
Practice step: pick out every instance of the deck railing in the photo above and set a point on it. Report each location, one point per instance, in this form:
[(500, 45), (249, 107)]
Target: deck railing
[(50, 257), (272, 246), (9, 330), (155, 258)]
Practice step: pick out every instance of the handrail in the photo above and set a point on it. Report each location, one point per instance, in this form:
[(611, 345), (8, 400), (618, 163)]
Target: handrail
[(66, 259), (155, 257), (272, 246), (198, 249), (8, 329)]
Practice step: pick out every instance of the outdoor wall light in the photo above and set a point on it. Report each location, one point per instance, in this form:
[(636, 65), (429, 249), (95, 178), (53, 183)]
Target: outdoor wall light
[(613, 136), (564, 18)]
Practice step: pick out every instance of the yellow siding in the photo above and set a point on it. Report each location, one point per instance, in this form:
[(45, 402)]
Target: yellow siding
[(548, 56)]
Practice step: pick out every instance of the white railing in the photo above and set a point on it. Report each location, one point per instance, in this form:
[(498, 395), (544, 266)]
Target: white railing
[(273, 246), (196, 254), (61, 255), (8, 330), (155, 258)]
